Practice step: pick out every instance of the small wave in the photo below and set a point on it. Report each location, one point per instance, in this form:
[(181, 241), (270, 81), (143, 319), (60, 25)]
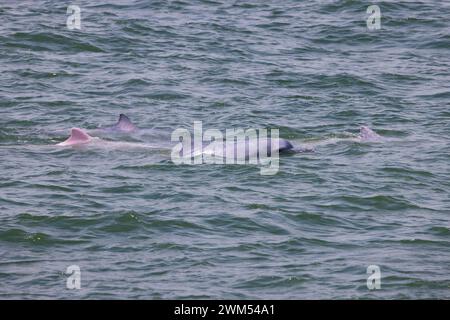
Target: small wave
[(36, 238), (51, 42)]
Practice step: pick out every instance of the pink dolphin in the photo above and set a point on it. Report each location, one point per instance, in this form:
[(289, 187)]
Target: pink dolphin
[(77, 137), (367, 134)]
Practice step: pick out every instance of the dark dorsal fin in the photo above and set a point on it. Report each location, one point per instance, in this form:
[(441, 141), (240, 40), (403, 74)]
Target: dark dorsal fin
[(124, 124)]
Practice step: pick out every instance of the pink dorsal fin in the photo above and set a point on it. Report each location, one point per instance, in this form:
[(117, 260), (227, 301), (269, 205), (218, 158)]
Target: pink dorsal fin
[(77, 136)]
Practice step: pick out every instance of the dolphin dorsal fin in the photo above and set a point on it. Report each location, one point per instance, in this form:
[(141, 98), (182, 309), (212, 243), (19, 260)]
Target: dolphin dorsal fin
[(77, 136), (367, 134), (125, 124)]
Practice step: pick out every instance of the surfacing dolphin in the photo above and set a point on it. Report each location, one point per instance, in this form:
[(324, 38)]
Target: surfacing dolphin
[(123, 125), (247, 148), (79, 137), (367, 134)]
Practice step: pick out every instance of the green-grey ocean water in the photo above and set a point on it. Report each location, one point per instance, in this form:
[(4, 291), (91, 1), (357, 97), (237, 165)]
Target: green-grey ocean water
[(139, 226)]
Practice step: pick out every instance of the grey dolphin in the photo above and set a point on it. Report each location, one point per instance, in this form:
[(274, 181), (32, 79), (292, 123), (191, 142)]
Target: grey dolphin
[(124, 125), (250, 148)]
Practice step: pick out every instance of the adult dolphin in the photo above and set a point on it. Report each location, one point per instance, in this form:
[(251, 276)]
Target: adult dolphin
[(367, 134), (79, 137), (123, 125), (248, 148)]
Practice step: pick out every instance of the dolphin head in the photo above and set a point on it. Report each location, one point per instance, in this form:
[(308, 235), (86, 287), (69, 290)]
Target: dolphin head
[(285, 145), (77, 137)]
